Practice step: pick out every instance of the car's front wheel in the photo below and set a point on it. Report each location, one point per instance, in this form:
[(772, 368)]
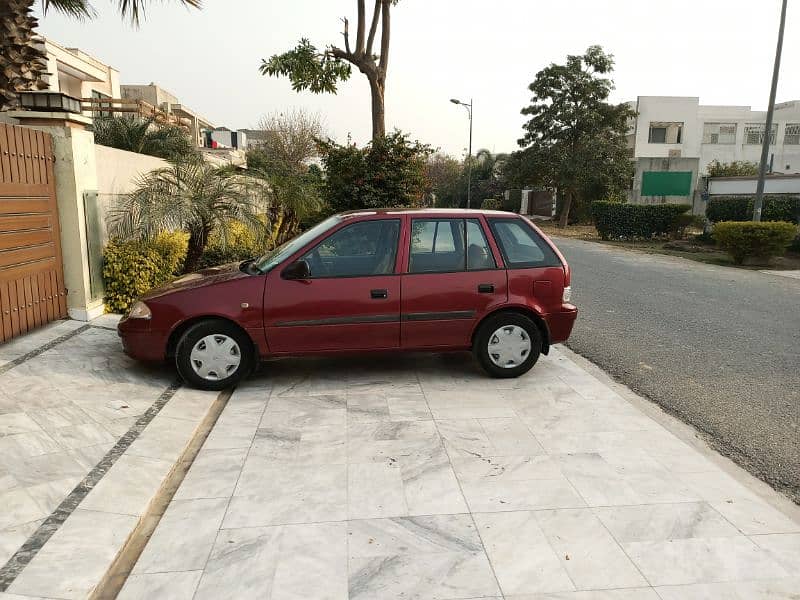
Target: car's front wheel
[(214, 355), (507, 345)]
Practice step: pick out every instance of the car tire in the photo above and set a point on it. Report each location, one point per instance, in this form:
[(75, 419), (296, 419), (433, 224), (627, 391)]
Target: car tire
[(507, 345), (230, 353)]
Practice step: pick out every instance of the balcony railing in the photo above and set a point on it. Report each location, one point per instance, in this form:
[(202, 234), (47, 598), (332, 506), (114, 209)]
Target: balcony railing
[(106, 107)]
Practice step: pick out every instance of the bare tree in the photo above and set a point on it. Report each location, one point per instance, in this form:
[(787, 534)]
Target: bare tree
[(310, 69), (290, 137)]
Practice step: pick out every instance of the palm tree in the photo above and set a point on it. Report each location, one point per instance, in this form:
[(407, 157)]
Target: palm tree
[(22, 63), (193, 196), (143, 136)]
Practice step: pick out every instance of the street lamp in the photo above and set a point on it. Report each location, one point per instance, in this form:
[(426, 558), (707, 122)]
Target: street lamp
[(469, 155), (762, 167)]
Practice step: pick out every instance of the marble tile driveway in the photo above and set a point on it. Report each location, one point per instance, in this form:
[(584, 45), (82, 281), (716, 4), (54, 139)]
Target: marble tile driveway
[(418, 478), (67, 393)]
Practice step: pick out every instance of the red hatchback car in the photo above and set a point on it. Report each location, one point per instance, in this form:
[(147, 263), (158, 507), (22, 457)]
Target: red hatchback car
[(392, 279)]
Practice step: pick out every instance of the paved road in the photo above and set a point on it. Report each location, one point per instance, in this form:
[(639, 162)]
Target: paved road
[(719, 347)]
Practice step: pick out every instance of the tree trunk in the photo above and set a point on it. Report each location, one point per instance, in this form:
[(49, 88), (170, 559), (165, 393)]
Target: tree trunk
[(196, 247), (22, 65), (563, 219), (378, 90)]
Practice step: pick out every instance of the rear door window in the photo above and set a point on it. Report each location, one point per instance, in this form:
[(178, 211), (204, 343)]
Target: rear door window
[(521, 246), (437, 246)]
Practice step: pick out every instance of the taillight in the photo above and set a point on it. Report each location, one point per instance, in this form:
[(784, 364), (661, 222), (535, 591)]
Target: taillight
[(566, 296)]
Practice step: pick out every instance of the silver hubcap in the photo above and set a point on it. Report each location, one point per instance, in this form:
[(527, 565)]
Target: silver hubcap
[(509, 346), (215, 357)]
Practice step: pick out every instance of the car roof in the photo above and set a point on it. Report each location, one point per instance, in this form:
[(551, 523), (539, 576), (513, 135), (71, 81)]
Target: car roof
[(430, 212)]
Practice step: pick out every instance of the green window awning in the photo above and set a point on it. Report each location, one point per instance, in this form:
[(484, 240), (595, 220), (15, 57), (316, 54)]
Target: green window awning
[(667, 183)]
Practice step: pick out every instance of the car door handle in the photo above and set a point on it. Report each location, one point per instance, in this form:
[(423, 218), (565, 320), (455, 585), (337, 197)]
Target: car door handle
[(379, 294), (485, 288)]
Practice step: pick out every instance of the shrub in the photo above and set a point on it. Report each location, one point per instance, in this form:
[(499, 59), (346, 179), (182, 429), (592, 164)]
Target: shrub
[(132, 268), (750, 240), (492, 204), (236, 243), (631, 221), (740, 208)]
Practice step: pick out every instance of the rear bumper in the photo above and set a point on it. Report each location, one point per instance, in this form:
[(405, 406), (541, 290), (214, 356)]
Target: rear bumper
[(560, 323), (142, 345)]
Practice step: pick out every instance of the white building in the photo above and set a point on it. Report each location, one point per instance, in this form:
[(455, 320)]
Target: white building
[(673, 139), (73, 72)]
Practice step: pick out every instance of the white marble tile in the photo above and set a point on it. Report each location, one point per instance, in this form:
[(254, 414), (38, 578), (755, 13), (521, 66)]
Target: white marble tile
[(521, 556), (274, 495), (213, 474), (12, 538), (129, 485), (490, 495), (189, 403), (164, 438), (236, 426), (783, 548), (587, 551), (777, 589), (74, 560), (754, 516), (66, 415), (375, 490), (26, 445), (290, 562), (430, 486), (80, 436), (418, 558), (706, 560), (20, 422), (665, 522), (19, 507), (184, 536), (506, 468), (164, 586), (623, 594)]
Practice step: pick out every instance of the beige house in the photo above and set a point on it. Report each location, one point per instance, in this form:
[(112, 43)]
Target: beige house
[(166, 101)]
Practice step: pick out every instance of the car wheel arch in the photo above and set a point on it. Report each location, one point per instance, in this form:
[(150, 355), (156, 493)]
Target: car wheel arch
[(184, 326), (525, 312)]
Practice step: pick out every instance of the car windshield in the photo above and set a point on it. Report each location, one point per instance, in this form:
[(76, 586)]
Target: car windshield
[(274, 257)]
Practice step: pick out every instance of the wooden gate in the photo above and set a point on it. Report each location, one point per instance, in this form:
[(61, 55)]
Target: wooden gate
[(31, 275)]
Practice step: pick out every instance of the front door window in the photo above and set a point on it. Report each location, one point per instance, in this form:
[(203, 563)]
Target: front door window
[(358, 250)]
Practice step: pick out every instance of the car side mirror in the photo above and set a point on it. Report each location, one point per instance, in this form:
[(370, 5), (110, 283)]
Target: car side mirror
[(297, 270)]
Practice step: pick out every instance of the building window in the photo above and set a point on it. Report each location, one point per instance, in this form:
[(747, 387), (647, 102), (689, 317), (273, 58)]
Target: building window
[(792, 137), (719, 133), (665, 132), (754, 133)]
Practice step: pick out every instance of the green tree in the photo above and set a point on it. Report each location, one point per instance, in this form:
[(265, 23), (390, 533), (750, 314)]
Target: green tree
[(192, 196), (22, 61), (737, 168), (387, 172), (321, 71), (144, 136), (574, 135)]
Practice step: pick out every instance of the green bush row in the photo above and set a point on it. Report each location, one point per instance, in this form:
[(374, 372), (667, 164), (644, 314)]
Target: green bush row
[(132, 268), (740, 208), (756, 241), (614, 220)]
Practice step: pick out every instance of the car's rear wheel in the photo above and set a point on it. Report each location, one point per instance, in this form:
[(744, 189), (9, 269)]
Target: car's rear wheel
[(507, 345), (214, 355)]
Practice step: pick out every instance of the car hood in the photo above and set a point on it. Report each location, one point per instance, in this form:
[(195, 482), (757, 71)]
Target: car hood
[(198, 279)]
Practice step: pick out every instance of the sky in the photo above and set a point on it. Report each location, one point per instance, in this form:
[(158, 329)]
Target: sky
[(489, 50)]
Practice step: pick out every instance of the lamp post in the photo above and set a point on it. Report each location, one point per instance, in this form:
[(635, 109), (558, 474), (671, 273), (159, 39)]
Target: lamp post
[(762, 168), (469, 154)]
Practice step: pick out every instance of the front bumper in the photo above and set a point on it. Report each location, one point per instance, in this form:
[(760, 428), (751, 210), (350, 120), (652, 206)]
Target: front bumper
[(560, 323), (140, 342)]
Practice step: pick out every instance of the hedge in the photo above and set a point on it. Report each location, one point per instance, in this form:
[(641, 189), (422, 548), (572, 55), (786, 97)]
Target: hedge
[(751, 240), (614, 220), (740, 208), (132, 268), (240, 244)]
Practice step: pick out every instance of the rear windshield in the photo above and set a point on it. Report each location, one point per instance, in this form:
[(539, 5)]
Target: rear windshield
[(522, 247)]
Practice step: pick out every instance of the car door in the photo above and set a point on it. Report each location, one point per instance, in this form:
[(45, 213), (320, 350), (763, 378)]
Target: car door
[(451, 282), (350, 301)]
